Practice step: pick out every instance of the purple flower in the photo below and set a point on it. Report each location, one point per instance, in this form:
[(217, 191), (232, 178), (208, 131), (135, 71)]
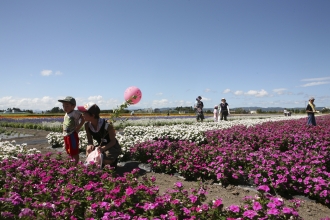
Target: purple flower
[(249, 214), (271, 205), (264, 188), (186, 211), (257, 206), (178, 184), (129, 191), (287, 210), (234, 208), (217, 203), (26, 212), (193, 198), (273, 211)]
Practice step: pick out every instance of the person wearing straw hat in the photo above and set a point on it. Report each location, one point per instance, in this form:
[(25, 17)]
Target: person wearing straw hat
[(311, 110), (224, 109)]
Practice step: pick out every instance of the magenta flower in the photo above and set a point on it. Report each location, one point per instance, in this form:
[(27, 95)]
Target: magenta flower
[(257, 206), (217, 203), (250, 214), (129, 191), (26, 212), (264, 188), (234, 208), (193, 198), (178, 184), (273, 211), (287, 210), (186, 211)]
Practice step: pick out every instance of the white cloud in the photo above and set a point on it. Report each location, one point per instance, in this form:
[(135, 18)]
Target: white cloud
[(46, 72), (50, 72), (317, 79), (238, 92), (314, 84), (44, 103), (226, 91), (206, 99), (255, 93), (94, 98), (279, 91), (207, 90), (160, 93), (160, 103), (181, 103)]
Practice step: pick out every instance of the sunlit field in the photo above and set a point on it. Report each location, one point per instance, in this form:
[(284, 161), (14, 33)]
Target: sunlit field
[(277, 155)]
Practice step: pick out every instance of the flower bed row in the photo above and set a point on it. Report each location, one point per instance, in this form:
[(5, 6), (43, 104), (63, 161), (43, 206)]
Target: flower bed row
[(43, 187), (192, 132), (288, 156)]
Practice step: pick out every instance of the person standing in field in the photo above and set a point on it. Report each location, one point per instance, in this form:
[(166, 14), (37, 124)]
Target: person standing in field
[(103, 132), (72, 123), (223, 109), (215, 113), (310, 110), (199, 109)]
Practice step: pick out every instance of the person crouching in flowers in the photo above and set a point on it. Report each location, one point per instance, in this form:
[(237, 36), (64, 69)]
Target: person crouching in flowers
[(103, 132), (72, 123)]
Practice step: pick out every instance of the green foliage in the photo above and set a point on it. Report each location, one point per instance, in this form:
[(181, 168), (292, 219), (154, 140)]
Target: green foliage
[(120, 110), (55, 110)]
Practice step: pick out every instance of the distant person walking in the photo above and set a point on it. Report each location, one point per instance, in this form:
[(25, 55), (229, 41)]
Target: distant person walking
[(311, 110), (223, 109), (215, 113), (199, 109)]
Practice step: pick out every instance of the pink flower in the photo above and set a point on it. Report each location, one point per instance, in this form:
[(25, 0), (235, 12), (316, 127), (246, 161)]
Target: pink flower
[(287, 210), (273, 211), (178, 184), (129, 191), (193, 198), (257, 206), (249, 214), (234, 208), (217, 203), (264, 188)]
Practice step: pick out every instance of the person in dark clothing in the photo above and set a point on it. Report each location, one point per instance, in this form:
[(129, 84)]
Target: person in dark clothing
[(223, 109), (199, 109), (310, 110), (100, 130)]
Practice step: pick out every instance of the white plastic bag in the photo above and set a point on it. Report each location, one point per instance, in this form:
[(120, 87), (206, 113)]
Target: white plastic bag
[(95, 156)]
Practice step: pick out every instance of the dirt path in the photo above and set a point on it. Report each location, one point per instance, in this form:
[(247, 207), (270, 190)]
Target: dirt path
[(230, 194)]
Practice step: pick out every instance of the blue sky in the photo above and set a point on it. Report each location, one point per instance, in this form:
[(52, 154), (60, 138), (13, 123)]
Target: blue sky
[(253, 53)]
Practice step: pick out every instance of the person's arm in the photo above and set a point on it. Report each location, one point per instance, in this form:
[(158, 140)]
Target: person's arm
[(228, 109), (82, 121), (113, 140), (90, 146)]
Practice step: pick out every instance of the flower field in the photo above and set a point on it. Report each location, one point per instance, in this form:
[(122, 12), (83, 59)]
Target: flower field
[(280, 156)]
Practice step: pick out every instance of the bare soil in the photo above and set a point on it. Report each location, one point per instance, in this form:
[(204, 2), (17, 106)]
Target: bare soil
[(229, 194)]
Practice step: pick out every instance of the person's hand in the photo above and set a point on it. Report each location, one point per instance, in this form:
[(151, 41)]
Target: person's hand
[(90, 148), (101, 149)]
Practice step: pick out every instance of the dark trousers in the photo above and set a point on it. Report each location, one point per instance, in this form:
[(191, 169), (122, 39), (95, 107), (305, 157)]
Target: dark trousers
[(223, 115)]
